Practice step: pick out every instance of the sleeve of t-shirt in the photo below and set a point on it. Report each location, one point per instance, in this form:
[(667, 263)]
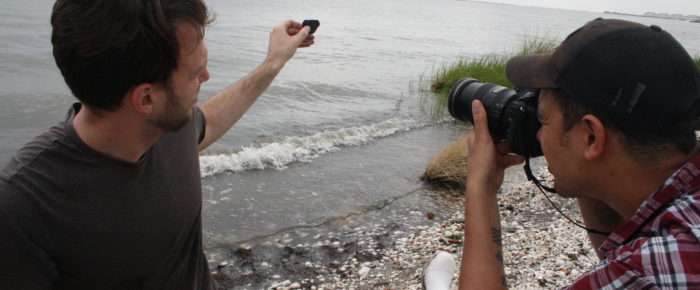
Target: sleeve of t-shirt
[(24, 259), (200, 123)]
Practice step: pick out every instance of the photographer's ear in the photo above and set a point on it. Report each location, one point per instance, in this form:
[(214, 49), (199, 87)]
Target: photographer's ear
[(594, 135)]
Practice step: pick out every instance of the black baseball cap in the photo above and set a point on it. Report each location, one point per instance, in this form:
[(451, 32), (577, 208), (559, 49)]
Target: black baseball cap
[(630, 73)]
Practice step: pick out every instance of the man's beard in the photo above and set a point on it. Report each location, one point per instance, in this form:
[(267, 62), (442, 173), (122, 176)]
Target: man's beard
[(176, 115)]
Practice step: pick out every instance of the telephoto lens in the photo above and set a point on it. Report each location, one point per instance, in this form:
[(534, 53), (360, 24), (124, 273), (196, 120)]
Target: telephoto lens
[(511, 114), (494, 97)]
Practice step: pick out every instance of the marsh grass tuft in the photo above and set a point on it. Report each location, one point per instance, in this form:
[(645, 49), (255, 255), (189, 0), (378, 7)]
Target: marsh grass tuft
[(538, 45), (488, 68), (449, 167)]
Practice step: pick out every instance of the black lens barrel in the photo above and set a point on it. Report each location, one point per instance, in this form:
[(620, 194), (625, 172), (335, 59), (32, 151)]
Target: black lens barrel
[(496, 100), (512, 114)]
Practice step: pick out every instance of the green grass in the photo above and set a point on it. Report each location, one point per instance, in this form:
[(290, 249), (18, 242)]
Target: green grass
[(485, 69), (488, 69)]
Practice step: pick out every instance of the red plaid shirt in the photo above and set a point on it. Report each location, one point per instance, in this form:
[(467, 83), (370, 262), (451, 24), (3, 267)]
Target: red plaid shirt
[(659, 247)]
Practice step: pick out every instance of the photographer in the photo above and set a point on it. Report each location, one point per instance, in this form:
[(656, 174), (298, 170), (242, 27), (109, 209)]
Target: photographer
[(618, 107)]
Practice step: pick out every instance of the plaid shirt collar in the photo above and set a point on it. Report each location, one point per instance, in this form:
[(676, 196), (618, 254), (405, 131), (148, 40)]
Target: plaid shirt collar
[(683, 180)]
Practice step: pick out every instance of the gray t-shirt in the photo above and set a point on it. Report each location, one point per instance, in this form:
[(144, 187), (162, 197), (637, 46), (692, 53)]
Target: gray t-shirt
[(73, 218)]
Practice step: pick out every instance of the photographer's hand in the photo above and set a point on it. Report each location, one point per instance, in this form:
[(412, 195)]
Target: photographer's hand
[(482, 257), (487, 159)]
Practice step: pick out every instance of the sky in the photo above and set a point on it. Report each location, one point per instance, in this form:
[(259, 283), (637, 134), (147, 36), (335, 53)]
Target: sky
[(684, 7)]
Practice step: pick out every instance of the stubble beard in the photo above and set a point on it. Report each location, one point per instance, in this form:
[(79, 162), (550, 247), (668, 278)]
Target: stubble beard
[(563, 143), (176, 115)]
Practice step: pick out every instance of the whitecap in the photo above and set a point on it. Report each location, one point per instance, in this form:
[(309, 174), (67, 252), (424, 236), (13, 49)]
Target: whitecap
[(279, 154)]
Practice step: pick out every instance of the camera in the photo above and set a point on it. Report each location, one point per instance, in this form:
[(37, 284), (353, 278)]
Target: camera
[(312, 23), (512, 113)]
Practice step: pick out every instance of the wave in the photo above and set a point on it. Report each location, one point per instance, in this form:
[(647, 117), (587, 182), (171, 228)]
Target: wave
[(278, 155)]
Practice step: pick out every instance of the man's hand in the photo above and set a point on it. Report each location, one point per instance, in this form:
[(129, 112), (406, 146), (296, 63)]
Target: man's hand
[(285, 38), (487, 161)]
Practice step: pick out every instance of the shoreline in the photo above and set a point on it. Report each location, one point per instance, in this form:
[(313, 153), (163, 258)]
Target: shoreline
[(388, 246)]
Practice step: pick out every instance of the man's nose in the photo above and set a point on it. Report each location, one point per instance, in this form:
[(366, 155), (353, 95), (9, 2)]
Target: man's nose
[(204, 76)]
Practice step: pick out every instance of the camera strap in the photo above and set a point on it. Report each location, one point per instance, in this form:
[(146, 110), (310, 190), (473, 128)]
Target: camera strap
[(542, 188), (531, 177)]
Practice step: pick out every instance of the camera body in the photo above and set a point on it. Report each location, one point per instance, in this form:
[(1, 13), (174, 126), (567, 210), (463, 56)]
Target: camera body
[(512, 114)]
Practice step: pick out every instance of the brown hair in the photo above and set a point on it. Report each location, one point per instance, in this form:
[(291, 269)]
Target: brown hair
[(105, 47)]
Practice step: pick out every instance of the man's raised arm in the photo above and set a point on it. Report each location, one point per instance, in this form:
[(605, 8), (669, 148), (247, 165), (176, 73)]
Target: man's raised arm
[(226, 108)]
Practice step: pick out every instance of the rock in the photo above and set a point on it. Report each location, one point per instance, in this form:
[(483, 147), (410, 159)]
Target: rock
[(364, 271)]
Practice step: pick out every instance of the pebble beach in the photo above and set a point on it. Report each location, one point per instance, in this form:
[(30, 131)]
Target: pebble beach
[(387, 247)]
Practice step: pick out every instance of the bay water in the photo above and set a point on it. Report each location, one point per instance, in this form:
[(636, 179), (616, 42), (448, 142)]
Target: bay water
[(339, 131)]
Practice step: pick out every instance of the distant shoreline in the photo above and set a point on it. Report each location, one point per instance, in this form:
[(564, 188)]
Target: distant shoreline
[(690, 18)]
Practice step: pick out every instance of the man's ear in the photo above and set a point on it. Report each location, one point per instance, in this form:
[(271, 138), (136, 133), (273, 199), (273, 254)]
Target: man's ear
[(140, 97), (595, 136)]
